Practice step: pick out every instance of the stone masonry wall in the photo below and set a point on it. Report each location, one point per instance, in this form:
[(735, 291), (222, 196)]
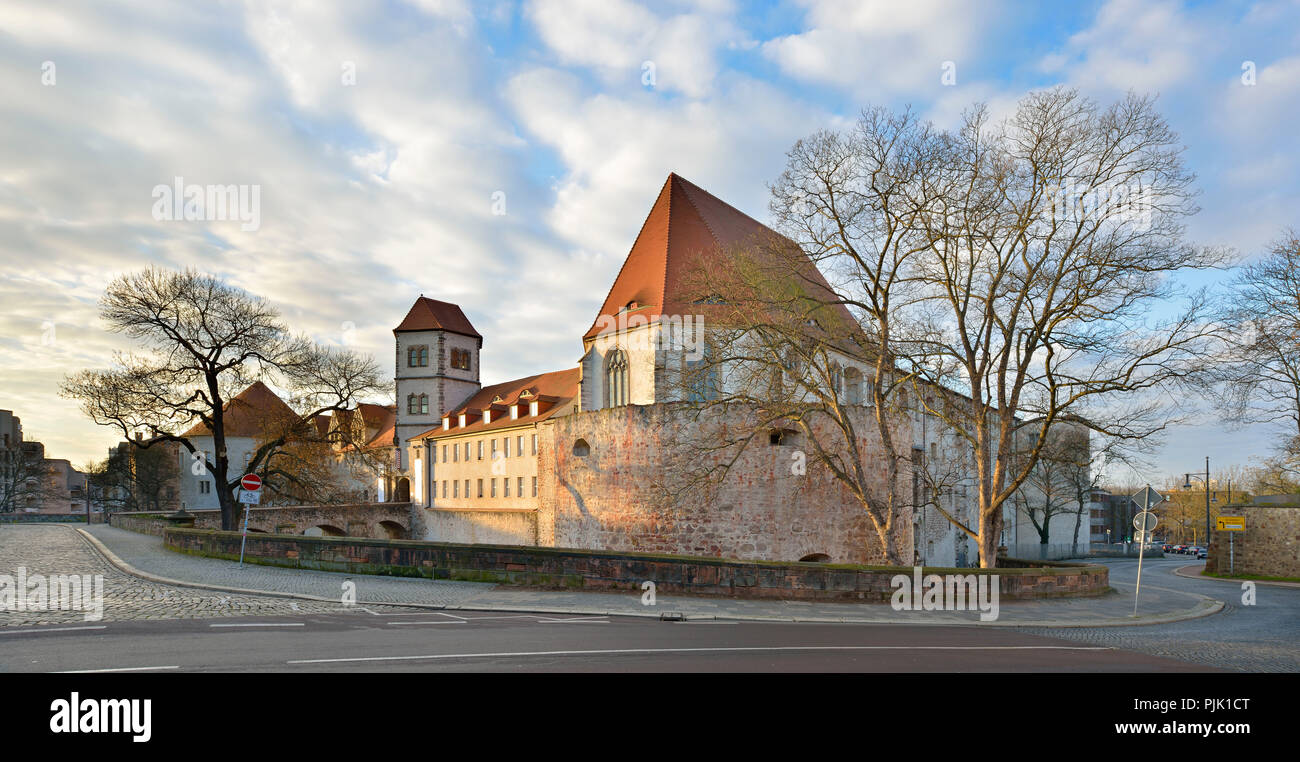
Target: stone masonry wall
[(382, 520), (594, 570), (636, 492), (497, 527), (1268, 547)]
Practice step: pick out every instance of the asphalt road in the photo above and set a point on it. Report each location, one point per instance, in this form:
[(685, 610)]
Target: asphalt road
[(378, 640)]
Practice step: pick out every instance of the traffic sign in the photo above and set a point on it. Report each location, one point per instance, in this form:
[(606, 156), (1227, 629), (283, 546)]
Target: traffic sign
[(250, 498), (251, 482), (1231, 523), (1147, 498), (1145, 521)]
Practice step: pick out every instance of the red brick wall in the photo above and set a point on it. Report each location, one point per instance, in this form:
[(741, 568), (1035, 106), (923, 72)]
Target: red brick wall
[(615, 499)]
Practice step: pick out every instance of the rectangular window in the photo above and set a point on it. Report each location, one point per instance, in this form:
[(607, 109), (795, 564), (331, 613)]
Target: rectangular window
[(505, 443), (519, 446), (494, 449), (534, 444), (444, 453), (480, 449), (455, 454), (534, 486), (455, 489), (507, 488), (467, 488), (205, 488), (494, 488), (467, 451), (424, 404), (444, 489), (521, 487), (480, 488), (424, 357)]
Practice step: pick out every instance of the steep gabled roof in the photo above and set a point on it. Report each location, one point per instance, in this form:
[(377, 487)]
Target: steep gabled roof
[(686, 225), (249, 413), (432, 315)]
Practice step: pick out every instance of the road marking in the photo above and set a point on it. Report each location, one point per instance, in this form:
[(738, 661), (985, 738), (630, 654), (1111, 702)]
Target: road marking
[(55, 629), (578, 620), (261, 624), (444, 621), (115, 669), (720, 649)]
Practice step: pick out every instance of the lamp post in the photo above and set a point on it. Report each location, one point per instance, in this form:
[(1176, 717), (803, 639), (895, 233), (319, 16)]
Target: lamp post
[(1187, 484)]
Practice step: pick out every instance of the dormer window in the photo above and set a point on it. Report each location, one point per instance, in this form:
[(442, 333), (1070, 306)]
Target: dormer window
[(532, 407), (487, 416), (514, 411), (630, 306), (462, 420), (446, 422)]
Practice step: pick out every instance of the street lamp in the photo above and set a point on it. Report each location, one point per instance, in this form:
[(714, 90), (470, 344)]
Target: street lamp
[(1187, 484)]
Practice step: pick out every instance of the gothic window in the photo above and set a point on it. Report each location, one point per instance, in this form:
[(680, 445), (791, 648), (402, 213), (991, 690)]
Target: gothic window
[(412, 404), (417, 357), (837, 381), (460, 359), (702, 378), (853, 386), (616, 392)]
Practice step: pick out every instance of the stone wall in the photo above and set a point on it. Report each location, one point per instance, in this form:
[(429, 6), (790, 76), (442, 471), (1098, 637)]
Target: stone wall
[(48, 518), (501, 526), (1268, 547), (565, 568), (637, 491), (382, 520)]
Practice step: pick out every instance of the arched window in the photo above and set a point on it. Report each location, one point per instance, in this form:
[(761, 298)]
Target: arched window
[(616, 390), (853, 386), (581, 448), (412, 404), (424, 404), (837, 381), (702, 378)]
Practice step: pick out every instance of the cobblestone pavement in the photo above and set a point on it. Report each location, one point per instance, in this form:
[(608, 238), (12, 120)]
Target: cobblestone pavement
[(1264, 637), (60, 550), (146, 553)]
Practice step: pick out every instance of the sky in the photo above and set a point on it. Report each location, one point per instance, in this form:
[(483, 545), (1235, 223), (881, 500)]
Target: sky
[(503, 156)]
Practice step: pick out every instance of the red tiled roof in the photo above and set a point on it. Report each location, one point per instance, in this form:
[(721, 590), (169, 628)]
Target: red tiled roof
[(248, 412), (432, 315), (685, 224), (557, 388)]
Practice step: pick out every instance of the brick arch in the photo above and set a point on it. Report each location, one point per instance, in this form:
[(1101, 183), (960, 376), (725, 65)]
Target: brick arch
[(389, 530)]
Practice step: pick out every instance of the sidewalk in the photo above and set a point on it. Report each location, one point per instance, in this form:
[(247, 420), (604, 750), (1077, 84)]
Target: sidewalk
[(1194, 572), (144, 556)]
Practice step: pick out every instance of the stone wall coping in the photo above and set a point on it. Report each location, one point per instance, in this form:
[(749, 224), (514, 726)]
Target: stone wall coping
[(452, 509), (1053, 568)]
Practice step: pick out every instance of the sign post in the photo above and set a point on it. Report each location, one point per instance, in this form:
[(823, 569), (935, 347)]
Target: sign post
[(1231, 525), (1145, 522), (249, 494)]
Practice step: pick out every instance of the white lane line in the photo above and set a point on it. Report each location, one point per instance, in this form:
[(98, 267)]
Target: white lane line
[(444, 621), (576, 620), (720, 649), (430, 613), (261, 624), (114, 669), (54, 629)]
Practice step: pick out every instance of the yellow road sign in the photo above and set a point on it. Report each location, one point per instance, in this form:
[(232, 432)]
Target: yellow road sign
[(1231, 523)]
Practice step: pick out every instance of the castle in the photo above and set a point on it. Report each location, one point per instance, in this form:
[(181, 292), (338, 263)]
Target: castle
[(576, 457)]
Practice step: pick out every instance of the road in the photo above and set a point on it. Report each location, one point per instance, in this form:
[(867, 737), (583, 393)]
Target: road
[(381, 640)]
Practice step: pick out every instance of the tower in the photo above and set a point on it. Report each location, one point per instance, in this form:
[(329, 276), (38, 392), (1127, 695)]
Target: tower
[(437, 366)]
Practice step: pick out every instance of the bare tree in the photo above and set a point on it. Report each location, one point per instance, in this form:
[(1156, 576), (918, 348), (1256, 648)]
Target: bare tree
[(26, 479), (1005, 273), (202, 342), (1261, 370)]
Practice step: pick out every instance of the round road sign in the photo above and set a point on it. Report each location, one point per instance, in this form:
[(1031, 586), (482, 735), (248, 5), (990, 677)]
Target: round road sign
[(251, 482)]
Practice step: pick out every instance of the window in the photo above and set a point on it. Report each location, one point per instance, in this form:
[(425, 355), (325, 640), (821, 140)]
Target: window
[(480, 449), (519, 446), (417, 357), (455, 489), (444, 488), (494, 449), (521, 487), (467, 488), (506, 493), (455, 454), (581, 448), (702, 378), (494, 488), (460, 359), (205, 487), (444, 453), (853, 386), (505, 446), (534, 486), (467, 451), (616, 392), (480, 488), (412, 404), (534, 444)]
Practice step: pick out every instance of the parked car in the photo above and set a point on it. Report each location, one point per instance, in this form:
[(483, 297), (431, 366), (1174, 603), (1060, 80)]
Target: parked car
[(1202, 553), (1166, 548)]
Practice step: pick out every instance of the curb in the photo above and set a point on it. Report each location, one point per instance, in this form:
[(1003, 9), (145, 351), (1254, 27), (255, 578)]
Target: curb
[(1205, 607), (1267, 582)]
